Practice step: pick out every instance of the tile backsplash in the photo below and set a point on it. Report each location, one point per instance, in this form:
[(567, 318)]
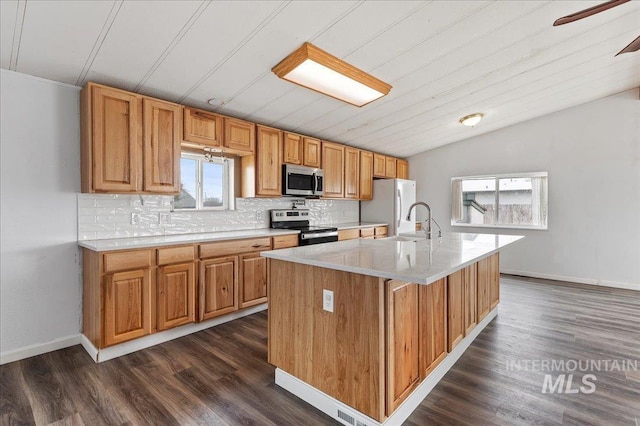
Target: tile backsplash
[(103, 216)]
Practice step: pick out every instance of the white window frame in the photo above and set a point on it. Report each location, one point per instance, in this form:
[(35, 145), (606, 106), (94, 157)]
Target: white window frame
[(497, 178), (227, 182)]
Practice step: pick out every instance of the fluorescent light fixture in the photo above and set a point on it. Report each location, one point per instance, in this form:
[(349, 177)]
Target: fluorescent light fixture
[(472, 120), (318, 70)]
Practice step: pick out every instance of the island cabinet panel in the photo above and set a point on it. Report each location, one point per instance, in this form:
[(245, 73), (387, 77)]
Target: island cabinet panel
[(366, 175), (162, 138), (218, 293), (379, 165), (340, 353), (239, 135), (494, 274), (312, 152), (402, 341), (483, 282), (202, 127), (470, 299), (351, 173), (254, 275), (176, 295), (333, 166), (269, 162), (292, 148), (432, 325), (455, 308)]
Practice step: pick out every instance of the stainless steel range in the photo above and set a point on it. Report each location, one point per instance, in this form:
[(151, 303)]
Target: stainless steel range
[(298, 219)]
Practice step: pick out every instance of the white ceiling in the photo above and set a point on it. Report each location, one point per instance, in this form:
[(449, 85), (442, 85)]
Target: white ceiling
[(444, 59)]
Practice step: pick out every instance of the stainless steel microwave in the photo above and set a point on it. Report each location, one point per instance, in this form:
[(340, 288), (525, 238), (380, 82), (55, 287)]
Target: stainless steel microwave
[(302, 181)]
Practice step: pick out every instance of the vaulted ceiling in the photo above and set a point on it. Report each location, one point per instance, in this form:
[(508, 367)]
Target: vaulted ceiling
[(444, 59)]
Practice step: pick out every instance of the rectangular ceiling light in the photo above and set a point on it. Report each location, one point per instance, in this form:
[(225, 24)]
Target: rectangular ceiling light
[(318, 70)]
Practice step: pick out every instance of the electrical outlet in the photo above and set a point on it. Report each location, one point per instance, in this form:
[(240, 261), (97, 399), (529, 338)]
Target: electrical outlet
[(327, 300), (164, 218), (259, 214), (135, 218)]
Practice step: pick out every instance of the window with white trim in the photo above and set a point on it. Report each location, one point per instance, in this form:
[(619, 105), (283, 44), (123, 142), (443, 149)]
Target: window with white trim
[(516, 200), (206, 183)]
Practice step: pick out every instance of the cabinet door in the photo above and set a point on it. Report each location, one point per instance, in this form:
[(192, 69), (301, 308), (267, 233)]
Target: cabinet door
[(116, 120), (127, 306), (292, 148), (333, 166), (176, 301), (470, 299), (402, 341), (162, 136), (351, 173), (494, 274), (254, 276), (379, 165), (268, 162), (483, 277), (390, 167), (202, 127), (239, 135), (455, 308), (366, 175), (218, 287), (402, 169), (432, 325), (311, 155)]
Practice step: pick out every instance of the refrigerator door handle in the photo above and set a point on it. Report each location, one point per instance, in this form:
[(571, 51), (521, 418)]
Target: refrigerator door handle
[(399, 207)]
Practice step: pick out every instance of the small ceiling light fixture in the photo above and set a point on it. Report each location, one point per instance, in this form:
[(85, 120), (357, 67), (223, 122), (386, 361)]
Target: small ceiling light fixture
[(215, 102), (472, 119), (315, 69)]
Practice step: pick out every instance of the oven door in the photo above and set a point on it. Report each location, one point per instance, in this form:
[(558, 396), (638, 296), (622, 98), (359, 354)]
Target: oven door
[(297, 180), (307, 239)]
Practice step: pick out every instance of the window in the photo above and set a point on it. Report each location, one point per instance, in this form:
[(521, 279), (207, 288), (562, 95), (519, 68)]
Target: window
[(500, 201), (205, 183)]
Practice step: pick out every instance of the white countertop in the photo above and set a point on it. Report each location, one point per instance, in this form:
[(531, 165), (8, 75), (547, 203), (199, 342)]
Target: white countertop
[(423, 261), (168, 240), (357, 225)]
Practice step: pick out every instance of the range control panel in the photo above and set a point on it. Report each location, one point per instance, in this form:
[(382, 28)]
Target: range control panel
[(289, 215)]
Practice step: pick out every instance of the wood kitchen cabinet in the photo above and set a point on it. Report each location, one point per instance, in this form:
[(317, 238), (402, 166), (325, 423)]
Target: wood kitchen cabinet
[(483, 282), (239, 136), (351, 173), (390, 167), (432, 325), (470, 299), (333, 166), (292, 148), (379, 165), (348, 234), (381, 231), (366, 175), (218, 288), (268, 177), (311, 152), (494, 274), (402, 169), (175, 287), (202, 127), (162, 137), (254, 276), (455, 309), (402, 339)]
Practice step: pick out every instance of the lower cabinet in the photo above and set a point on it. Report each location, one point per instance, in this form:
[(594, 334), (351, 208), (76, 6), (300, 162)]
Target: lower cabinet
[(254, 276), (432, 325), (402, 369), (218, 287), (176, 293)]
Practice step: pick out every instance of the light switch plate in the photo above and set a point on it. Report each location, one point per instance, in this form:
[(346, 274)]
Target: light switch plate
[(327, 300), (135, 218)]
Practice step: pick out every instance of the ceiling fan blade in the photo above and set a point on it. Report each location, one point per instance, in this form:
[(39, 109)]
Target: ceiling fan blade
[(588, 12), (634, 46)]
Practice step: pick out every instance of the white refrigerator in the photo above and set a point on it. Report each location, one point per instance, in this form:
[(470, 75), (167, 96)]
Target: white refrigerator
[(390, 204)]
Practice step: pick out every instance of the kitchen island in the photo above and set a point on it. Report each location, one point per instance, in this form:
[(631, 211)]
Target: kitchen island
[(364, 329)]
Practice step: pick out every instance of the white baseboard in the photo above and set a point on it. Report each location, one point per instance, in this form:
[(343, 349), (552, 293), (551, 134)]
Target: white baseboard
[(100, 355), (330, 405), (39, 349), (589, 281)]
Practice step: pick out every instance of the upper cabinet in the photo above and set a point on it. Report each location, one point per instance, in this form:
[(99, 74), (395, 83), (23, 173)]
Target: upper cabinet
[(292, 148), (333, 166), (402, 169), (390, 167), (202, 127), (268, 162), (351, 172), (239, 135), (119, 142), (312, 152), (366, 175), (379, 162)]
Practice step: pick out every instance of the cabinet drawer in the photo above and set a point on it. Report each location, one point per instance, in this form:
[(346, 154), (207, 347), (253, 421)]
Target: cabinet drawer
[(285, 241), (380, 231), (225, 248), (171, 255), (366, 232), (348, 234), (121, 261)]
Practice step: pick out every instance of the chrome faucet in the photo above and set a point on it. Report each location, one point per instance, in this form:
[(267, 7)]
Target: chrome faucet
[(421, 203)]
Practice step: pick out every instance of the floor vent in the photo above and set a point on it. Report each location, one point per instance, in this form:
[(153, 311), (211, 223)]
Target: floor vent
[(350, 419)]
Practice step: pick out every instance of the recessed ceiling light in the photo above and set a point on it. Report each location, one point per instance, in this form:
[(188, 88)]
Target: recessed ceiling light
[(315, 69), (472, 119), (215, 102)]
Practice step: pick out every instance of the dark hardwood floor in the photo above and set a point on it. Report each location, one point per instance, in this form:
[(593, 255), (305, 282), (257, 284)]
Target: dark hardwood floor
[(220, 376)]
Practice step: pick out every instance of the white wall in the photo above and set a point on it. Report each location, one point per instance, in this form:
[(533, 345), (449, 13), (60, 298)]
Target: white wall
[(40, 285), (592, 154)]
